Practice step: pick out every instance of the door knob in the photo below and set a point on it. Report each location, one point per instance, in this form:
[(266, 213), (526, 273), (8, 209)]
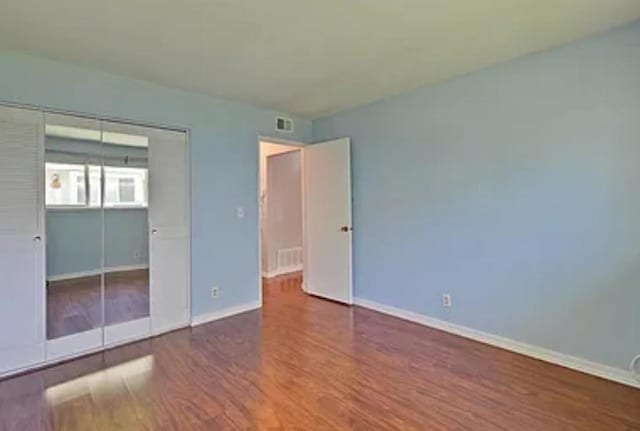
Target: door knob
[(37, 238), (154, 231), (346, 229)]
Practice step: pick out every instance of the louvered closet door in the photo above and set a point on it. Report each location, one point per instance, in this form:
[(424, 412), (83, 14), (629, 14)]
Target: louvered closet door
[(169, 224), (22, 340)]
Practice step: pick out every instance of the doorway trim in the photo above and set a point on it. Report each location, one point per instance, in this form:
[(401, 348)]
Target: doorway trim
[(296, 146)]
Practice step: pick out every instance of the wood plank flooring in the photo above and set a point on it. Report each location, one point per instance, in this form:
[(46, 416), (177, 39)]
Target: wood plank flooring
[(303, 363), (75, 305), (126, 296)]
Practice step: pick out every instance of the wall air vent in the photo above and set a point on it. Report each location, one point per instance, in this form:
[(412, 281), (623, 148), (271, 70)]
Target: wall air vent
[(284, 124)]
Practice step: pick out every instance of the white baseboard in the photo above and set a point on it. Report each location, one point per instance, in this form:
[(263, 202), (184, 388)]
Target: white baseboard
[(596, 369), (226, 312), (282, 271), (124, 268), (71, 275)]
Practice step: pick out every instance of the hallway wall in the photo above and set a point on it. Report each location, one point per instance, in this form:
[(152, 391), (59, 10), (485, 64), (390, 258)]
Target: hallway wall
[(284, 208)]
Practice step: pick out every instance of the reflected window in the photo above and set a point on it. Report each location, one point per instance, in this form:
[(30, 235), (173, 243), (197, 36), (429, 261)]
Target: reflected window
[(65, 185), (125, 187), (95, 191)]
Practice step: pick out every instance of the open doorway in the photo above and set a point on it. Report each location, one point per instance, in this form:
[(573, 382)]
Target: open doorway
[(305, 221), (281, 218)]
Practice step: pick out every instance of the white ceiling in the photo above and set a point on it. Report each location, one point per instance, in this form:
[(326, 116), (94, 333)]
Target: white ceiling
[(306, 57)]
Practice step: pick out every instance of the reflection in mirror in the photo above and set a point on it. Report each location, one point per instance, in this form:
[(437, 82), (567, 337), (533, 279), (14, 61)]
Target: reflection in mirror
[(73, 164), (126, 246)]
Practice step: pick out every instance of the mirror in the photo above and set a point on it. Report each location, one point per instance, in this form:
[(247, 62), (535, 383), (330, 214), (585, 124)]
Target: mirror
[(96, 196), (73, 220), (126, 247)]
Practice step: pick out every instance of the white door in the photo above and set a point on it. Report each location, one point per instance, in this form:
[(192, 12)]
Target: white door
[(122, 326), (327, 182), (74, 323), (169, 225), (22, 337)]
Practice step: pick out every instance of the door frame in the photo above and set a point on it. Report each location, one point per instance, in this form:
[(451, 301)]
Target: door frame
[(296, 146)]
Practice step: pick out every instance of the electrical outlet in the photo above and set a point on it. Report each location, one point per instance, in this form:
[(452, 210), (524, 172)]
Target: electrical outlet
[(446, 300), (215, 292)]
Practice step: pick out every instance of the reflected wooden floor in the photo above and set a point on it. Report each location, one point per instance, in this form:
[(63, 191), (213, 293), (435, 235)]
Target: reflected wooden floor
[(75, 305), (307, 364), (126, 296)]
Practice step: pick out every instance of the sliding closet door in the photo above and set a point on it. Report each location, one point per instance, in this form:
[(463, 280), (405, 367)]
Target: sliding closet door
[(169, 224), (74, 220), (126, 233), (22, 341)]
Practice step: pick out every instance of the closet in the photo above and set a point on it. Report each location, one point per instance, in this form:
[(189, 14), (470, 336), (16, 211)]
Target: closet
[(94, 235)]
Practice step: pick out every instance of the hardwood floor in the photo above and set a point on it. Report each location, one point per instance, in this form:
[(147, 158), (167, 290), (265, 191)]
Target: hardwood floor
[(126, 296), (302, 363), (75, 305)]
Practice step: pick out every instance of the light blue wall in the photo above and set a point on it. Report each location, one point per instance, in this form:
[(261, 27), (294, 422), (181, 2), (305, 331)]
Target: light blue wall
[(74, 239), (224, 159), (517, 190), (126, 235)]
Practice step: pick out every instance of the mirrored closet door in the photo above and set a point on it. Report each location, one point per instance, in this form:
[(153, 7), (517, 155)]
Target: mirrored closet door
[(94, 235), (97, 234), (146, 207), (126, 232), (74, 234)]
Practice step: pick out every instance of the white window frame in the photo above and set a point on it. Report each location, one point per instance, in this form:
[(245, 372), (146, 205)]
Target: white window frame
[(139, 186), (73, 183), (140, 194)]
